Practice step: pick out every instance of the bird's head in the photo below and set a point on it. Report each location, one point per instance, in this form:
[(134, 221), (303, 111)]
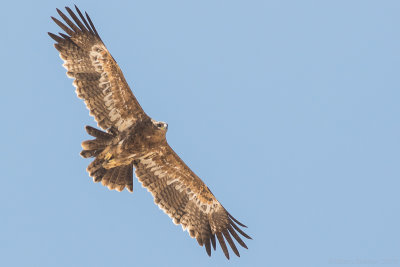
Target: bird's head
[(163, 126)]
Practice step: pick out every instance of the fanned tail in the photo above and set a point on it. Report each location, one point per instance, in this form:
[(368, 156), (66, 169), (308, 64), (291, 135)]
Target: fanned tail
[(115, 178)]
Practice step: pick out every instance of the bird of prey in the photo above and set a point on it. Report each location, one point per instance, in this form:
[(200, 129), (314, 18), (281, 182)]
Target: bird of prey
[(132, 139)]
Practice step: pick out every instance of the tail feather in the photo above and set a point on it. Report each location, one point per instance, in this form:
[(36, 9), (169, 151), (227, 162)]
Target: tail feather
[(98, 175), (96, 144), (125, 179), (121, 178), (91, 148), (97, 133), (129, 180), (95, 166), (106, 178), (90, 153), (114, 178), (112, 182), (119, 181)]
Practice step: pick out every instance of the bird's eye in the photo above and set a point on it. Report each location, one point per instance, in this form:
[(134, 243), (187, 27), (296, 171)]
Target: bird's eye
[(159, 125)]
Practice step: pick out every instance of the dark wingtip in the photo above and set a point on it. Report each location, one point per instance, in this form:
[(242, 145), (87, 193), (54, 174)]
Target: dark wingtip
[(77, 9), (236, 236), (55, 37), (230, 242), (222, 244), (88, 28), (213, 242), (233, 218), (239, 230), (208, 246), (92, 25)]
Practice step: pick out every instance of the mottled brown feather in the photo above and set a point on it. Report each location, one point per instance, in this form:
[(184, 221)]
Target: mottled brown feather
[(187, 200), (98, 78)]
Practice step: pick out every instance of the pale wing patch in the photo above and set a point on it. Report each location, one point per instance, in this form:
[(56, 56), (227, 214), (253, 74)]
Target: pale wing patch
[(99, 57), (74, 67), (174, 179)]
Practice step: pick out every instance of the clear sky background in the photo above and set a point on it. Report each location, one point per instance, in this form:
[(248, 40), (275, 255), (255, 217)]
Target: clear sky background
[(288, 110)]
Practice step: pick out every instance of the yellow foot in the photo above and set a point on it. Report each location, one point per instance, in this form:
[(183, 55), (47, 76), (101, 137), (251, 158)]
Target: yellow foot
[(110, 164), (108, 156)]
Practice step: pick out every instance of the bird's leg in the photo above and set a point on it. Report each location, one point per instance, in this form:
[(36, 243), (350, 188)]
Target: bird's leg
[(108, 156)]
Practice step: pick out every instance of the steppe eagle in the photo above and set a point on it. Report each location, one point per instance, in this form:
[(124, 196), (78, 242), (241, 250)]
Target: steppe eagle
[(133, 139)]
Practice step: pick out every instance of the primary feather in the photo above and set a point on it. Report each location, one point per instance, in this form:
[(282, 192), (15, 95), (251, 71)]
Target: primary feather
[(133, 139)]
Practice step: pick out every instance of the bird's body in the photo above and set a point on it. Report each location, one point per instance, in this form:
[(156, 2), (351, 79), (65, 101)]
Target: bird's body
[(133, 143), (132, 139)]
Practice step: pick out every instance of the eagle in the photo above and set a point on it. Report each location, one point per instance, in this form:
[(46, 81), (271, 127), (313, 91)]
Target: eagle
[(131, 139)]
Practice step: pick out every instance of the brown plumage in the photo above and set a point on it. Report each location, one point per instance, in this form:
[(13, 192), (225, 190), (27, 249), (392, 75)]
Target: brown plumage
[(133, 139)]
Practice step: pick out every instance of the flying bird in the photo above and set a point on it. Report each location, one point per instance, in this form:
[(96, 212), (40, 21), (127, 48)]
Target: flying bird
[(132, 139)]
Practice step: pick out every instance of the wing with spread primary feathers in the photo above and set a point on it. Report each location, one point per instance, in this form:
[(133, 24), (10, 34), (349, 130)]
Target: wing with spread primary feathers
[(187, 200), (98, 79)]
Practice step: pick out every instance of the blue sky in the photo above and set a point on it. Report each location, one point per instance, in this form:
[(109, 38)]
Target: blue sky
[(288, 111)]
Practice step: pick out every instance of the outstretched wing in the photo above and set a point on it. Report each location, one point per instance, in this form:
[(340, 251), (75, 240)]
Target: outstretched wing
[(187, 200), (98, 79)]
